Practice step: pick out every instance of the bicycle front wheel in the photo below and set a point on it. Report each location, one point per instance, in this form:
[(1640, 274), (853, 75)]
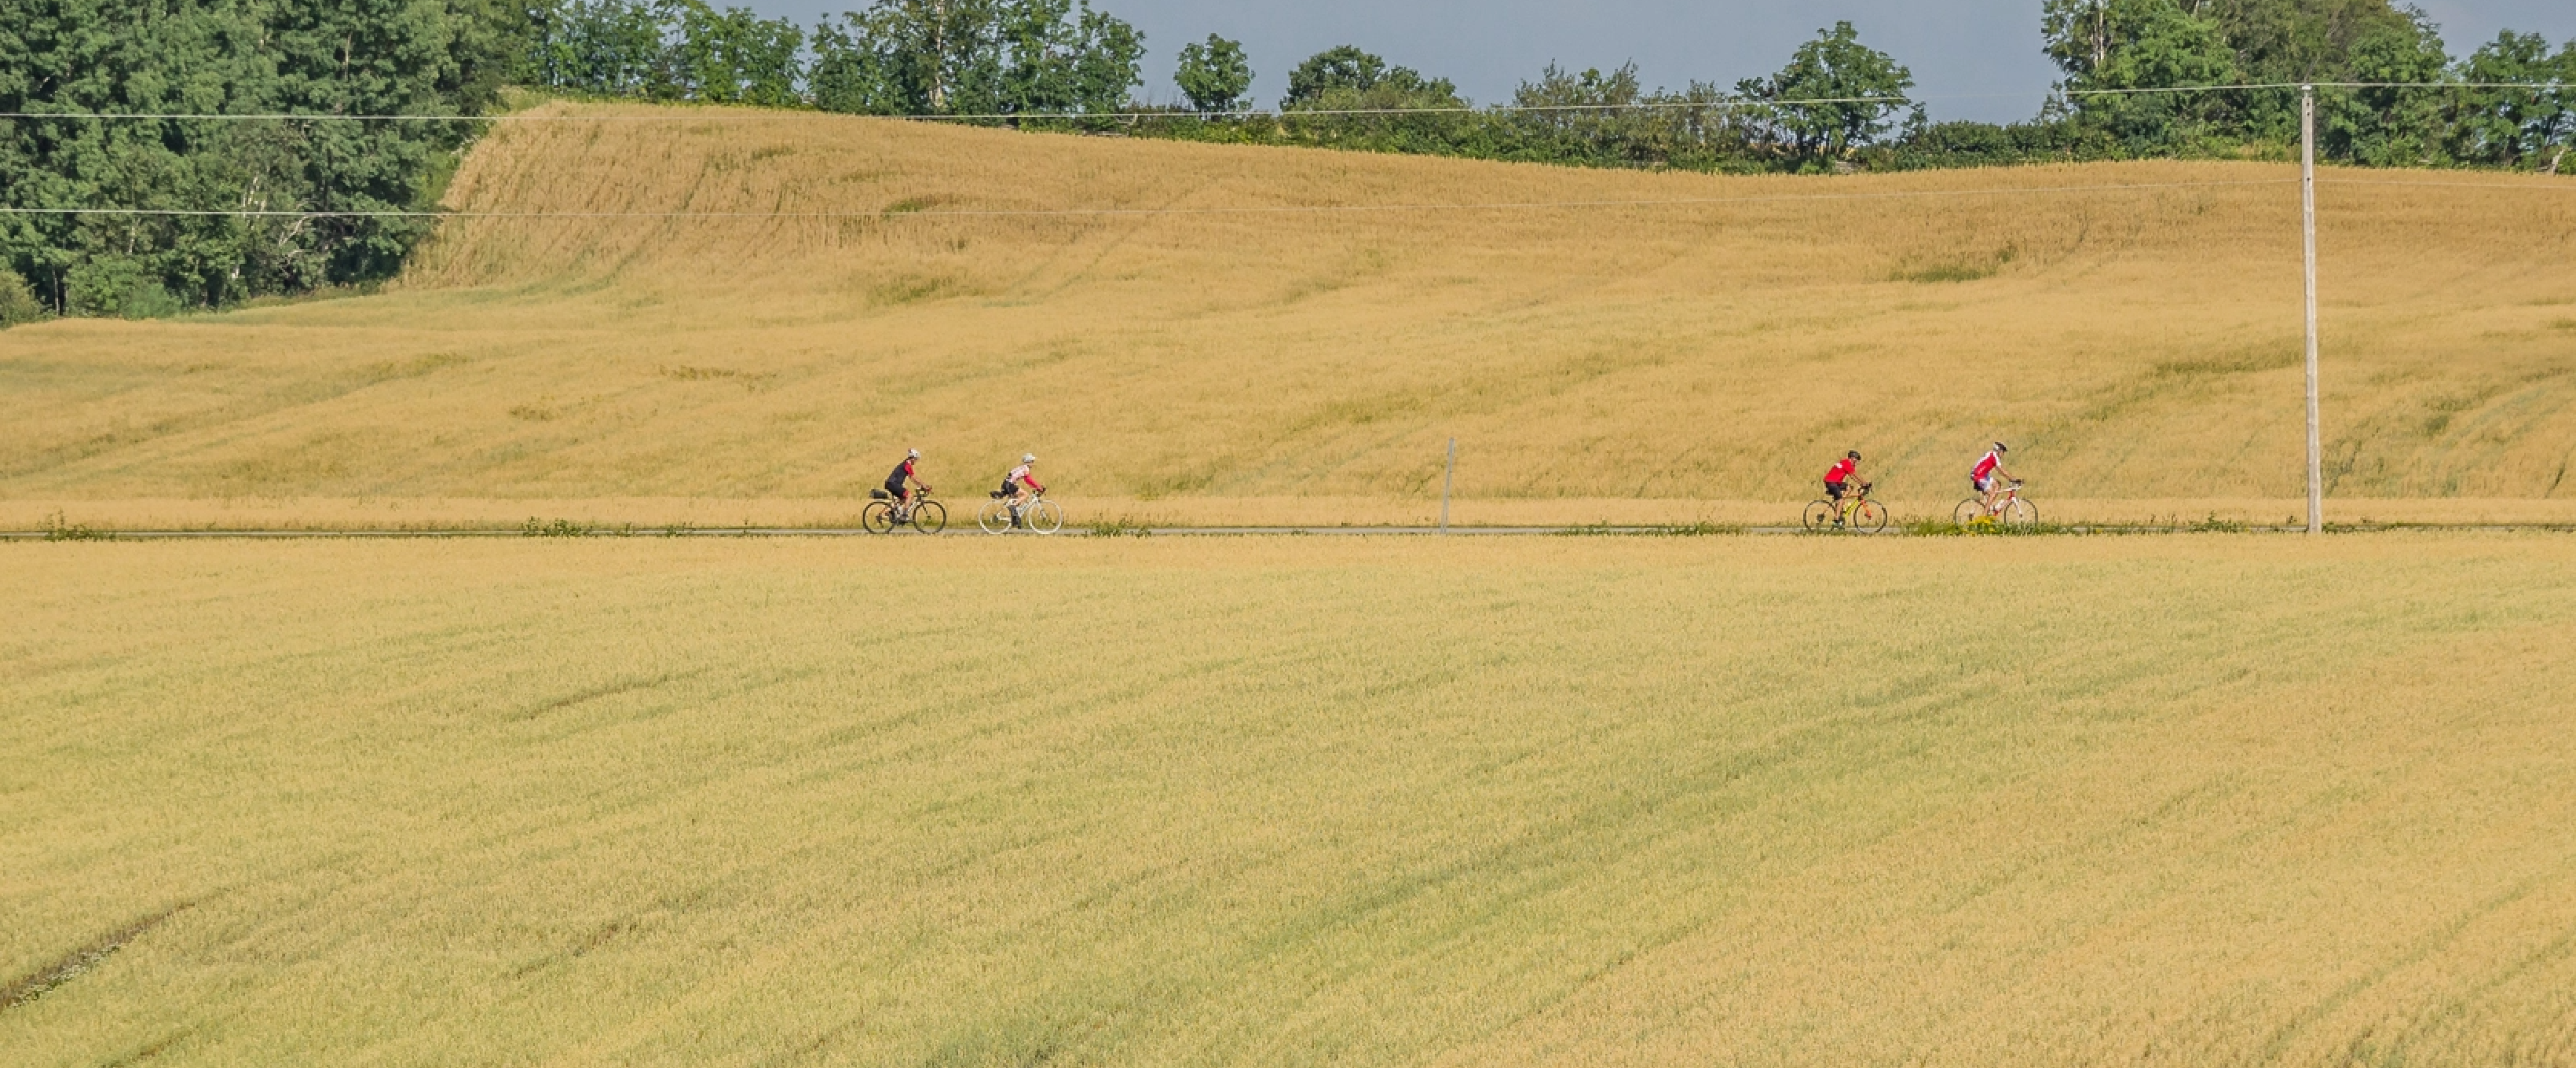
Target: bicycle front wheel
[(995, 518), (1869, 517), (2021, 513), (877, 517), (1043, 517), (930, 517), (1820, 514), (1968, 512)]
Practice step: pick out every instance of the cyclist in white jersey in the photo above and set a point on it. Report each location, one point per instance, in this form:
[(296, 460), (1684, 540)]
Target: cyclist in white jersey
[(1020, 484)]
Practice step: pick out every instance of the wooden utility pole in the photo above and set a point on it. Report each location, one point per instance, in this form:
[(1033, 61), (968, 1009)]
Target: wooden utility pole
[(1446, 479), (2308, 212)]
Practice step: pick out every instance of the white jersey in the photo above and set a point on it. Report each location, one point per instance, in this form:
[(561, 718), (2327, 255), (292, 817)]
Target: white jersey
[(1018, 475)]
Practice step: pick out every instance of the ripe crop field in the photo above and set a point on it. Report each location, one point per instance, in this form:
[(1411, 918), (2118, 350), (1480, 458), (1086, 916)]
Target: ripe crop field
[(2176, 800), (1667, 363)]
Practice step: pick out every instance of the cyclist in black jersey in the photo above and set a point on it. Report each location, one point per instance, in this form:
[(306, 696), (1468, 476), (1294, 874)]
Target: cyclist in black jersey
[(899, 483)]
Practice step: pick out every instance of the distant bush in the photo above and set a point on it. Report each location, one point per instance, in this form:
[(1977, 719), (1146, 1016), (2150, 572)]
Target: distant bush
[(18, 304)]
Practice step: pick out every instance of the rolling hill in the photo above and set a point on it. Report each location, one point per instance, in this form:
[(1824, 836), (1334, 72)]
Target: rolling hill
[(750, 315)]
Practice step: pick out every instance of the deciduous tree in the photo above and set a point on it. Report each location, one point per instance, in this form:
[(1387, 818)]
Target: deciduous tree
[(1215, 75)]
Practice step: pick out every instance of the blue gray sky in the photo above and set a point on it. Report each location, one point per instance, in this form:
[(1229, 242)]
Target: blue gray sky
[(1973, 59)]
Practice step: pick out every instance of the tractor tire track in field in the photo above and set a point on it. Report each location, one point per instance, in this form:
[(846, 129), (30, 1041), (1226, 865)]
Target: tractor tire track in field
[(594, 693), (45, 980)]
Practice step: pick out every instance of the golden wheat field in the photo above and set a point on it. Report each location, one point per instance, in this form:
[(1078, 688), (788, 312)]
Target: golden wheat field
[(1667, 362), (2172, 800)]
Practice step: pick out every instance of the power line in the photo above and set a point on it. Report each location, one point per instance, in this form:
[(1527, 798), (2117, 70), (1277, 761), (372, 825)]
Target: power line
[(1532, 205), (700, 113), (2520, 187)]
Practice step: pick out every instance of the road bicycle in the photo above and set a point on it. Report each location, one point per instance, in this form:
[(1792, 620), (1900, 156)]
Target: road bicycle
[(885, 513), (1037, 515), (1854, 512), (2010, 510)]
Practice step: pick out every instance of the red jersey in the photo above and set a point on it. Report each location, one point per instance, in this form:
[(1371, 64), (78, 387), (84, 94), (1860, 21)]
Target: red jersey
[(1842, 472), (1987, 466)]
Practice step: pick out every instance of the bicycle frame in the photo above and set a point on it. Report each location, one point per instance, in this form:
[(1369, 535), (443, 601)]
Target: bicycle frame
[(1850, 504)]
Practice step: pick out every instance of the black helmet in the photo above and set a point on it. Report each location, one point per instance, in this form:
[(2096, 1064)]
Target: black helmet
[(1852, 455)]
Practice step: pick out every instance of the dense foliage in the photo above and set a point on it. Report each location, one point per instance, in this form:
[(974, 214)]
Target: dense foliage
[(335, 62), (666, 50), (975, 57), (1214, 75), (2434, 113)]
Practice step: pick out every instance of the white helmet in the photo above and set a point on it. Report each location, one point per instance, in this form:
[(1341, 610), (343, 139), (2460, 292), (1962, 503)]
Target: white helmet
[(1029, 458), (912, 454)]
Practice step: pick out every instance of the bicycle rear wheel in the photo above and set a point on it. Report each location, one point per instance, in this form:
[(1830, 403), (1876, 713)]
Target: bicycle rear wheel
[(877, 517), (1968, 512), (2021, 513), (1869, 517), (994, 517), (1819, 515), (1044, 517), (930, 517)]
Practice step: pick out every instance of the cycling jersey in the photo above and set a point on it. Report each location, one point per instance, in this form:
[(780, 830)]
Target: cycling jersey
[(1020, 476), (1842, 472), (902, 471), (1986, 467)]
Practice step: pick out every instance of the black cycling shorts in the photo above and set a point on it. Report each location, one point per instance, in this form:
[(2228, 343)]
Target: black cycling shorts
[(1834, 490)]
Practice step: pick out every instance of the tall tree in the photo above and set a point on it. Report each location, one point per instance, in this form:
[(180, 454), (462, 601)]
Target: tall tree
[(2110, 48), (2517, 127), (1215, 75), (1866, 89), (2399, 121)]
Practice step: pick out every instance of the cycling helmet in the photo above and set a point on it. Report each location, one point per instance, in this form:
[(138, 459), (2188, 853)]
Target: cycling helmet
[(1029, 458), (1852, 455), (1999, 447), (912, 454)]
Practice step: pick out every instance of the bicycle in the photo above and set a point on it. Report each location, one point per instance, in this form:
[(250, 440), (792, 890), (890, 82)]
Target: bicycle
[(1854, 512), (2011, 511), (1037, 515), (884, 513)]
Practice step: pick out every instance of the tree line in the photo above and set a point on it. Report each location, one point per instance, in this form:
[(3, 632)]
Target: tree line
[(365, 77)]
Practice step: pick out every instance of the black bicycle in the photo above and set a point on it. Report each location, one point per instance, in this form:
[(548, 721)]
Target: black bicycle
[(885, 513)]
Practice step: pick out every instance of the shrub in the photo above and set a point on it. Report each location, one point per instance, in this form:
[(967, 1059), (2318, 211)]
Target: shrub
[(18, 304)]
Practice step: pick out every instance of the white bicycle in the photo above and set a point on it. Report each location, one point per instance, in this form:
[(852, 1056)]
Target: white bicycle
[(1037, 515)]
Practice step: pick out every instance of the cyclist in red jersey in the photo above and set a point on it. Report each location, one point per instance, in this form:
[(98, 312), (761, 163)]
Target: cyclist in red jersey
[(1990, 473), (1838, 481)]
